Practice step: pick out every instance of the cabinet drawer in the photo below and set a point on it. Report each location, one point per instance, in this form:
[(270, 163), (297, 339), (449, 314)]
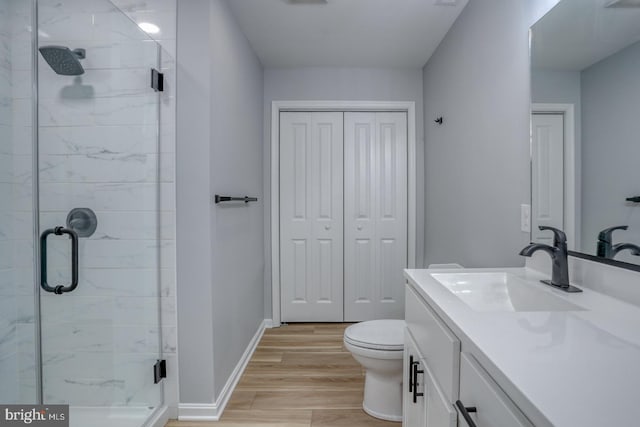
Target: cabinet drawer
[(438, 345), (477, 389)]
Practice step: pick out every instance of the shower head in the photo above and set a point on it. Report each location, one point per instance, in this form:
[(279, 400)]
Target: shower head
[(62, 60)]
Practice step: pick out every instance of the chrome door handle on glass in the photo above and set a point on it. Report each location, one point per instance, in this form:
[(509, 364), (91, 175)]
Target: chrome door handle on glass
[(59, 231)]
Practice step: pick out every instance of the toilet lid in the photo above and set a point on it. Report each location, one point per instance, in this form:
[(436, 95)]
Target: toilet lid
[(377, 334)]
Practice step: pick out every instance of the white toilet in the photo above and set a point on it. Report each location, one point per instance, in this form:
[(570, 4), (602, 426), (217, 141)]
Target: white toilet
[(378, 346)]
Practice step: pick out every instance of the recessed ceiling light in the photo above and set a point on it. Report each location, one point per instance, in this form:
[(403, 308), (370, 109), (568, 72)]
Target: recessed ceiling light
[(446, 2), (149, 28)]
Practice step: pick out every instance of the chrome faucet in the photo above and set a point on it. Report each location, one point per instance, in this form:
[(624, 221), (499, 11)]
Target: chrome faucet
[(606, 248), (559, 258)]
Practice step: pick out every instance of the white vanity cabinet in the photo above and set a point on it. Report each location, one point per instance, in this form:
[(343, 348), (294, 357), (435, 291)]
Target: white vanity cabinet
[(431, 371), (437, 375)]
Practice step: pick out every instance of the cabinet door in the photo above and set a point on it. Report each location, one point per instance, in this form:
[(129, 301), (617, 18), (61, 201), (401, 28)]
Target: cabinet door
[(493, 407), (440, 413), (413, 413), (375, 202), (424, 404), (311, 217)]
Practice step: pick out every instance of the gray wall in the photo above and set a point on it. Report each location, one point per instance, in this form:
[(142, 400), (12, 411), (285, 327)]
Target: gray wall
[(551, 86), (558, 87), (340, 84), (610, 148), (193, 192), (477, 169), (236, 169), (220, 248)]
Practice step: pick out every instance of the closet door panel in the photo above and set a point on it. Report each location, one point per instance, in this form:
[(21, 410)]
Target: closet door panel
[(359, 213), (311, 217), (391, 132), (375, 180)]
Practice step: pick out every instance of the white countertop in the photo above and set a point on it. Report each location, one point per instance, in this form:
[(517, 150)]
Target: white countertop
[(564, 369)]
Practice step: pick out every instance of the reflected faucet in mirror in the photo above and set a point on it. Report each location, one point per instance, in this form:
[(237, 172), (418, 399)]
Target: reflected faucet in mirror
[(606, 248), (559, 260)]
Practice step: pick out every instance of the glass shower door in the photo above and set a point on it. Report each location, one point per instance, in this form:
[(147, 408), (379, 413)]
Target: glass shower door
[(98, 121), (18, 320)]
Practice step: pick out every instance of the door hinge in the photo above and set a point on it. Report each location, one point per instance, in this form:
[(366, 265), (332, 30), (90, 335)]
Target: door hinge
[(159, 371), (157, 80)]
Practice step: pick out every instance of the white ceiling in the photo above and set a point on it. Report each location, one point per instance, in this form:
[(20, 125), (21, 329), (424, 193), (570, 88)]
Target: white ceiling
[(345, 33), (578, 33)]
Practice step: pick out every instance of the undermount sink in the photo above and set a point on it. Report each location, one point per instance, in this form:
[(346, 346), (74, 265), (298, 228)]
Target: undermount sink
[(501, 291)]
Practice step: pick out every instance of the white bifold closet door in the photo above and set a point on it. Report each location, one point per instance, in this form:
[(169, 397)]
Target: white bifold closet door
[(311, 213), (375, 215), (343, 215)]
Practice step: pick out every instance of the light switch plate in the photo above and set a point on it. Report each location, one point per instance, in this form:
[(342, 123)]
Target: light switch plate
[(525, 218)]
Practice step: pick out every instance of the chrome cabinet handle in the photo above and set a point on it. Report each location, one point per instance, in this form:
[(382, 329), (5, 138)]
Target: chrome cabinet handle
[(465, 410), (59, 231)]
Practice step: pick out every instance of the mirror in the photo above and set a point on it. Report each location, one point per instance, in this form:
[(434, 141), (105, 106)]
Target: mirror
[(585, 127)]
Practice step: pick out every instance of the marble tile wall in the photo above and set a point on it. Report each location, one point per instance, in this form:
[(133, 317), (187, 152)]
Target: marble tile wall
[(163, 14), (8, 312), (100, 147), (17, 331), (168, 238)]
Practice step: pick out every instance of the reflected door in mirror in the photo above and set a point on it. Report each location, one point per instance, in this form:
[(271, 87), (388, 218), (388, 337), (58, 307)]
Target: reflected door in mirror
[(547, 174)]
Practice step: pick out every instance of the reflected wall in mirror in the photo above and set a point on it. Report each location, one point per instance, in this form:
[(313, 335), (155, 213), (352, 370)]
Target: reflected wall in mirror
[(585, 86)]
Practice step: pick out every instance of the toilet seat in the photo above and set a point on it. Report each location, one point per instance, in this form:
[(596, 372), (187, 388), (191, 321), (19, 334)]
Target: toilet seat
[(382, 335)]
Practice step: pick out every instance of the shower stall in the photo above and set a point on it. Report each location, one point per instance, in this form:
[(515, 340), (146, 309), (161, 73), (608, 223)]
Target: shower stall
[(80, 211)]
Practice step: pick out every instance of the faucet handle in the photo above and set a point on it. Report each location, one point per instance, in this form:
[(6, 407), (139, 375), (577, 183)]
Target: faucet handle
[(605, 235), (559, 237)]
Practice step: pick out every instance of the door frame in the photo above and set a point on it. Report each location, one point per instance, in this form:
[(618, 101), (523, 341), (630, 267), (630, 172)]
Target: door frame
[(571, 167), (342, 106)]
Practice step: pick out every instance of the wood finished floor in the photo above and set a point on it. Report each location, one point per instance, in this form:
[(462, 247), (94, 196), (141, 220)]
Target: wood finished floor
[(299, 376)]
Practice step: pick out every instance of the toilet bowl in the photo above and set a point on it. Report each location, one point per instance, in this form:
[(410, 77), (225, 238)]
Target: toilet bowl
[(378, 346)]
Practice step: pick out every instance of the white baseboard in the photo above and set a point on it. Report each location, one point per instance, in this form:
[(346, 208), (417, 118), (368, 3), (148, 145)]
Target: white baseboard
[(198, 412), (161, 418), (268, 323), (213, 411)]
